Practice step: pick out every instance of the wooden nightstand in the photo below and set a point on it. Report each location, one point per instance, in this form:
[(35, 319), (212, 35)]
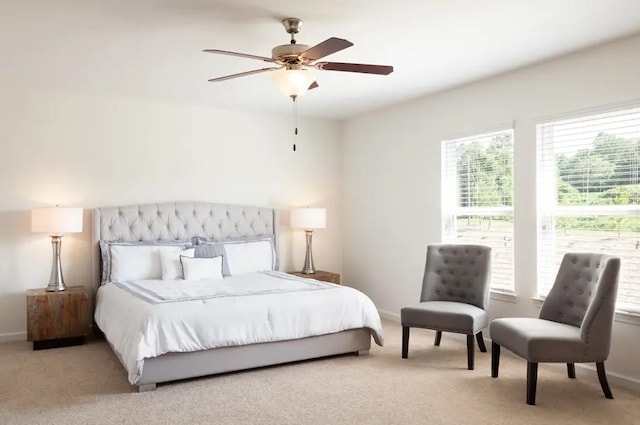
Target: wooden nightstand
[(320, 275), (58, 319)]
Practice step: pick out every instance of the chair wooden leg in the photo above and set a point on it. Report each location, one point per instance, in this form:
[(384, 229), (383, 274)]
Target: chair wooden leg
[(495, 359), (470, 351), (480, 340), (532, 380), (571, 370), (405, 342), (438, 338), (602, 376)]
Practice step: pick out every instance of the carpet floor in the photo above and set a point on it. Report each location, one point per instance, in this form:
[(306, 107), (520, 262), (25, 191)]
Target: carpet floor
[(87, 385)]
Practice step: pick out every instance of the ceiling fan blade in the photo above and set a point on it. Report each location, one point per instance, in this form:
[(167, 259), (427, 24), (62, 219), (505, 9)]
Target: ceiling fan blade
[(241, 55), (313, 85), (244, 74), (355, 67), (327, 47)]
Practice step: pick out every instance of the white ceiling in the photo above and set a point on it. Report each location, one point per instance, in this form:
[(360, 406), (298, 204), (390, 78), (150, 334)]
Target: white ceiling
[(153, 48)]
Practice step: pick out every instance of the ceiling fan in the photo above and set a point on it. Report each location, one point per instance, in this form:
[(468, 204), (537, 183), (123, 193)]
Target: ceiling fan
[(293, 63)]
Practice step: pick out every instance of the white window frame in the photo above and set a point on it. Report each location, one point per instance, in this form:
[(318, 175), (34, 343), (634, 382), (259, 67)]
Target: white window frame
[(450, 208), (548, 210)]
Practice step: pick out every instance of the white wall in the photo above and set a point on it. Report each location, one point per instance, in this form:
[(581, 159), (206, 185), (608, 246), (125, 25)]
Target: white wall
[(392, 174), (87, 150)]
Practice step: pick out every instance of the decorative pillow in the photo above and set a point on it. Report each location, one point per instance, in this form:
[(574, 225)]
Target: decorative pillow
[(137, 262), (105, 252), (211, 250), (264, 259), (170, 262), (198, 240), (248, 257), (201, 268)]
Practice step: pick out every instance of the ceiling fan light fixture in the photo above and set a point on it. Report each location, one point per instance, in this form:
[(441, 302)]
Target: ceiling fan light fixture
[(293, 82)]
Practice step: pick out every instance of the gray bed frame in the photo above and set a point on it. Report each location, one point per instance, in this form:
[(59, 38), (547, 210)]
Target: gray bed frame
[(215, 222)]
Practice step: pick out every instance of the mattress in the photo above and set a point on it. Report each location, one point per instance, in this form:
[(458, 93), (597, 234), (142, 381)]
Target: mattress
[(145, 319)]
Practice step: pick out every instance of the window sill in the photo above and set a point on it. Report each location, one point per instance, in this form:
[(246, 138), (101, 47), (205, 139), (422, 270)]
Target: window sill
[(628, 317), (631, 318), (506, 296), (537, 300)]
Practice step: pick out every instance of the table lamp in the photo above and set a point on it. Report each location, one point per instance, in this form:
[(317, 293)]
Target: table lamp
[(56, 221), (309, 219)]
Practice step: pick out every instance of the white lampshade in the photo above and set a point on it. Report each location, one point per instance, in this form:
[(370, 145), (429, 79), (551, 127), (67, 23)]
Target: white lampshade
[(309, 218), (56, 220), (293, 82)]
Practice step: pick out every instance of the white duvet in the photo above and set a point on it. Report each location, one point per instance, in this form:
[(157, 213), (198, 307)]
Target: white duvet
[(145, 319)]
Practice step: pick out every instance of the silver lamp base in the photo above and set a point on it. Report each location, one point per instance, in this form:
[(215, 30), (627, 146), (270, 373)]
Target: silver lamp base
[(308, 257), (56, 281), (56, 287)]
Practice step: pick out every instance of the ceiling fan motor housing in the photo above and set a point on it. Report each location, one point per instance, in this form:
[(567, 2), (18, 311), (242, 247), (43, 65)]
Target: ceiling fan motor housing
[(289, 53)]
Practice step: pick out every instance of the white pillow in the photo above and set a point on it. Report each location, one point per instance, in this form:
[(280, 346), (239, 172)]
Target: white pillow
[(137, 262), (249, 257), (201, 268), (170, 262)]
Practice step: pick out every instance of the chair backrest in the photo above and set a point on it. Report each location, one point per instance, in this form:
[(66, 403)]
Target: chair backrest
[(458, 273), (584, 295)]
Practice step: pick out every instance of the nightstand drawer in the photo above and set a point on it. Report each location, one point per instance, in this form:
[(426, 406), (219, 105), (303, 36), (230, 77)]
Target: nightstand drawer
[(58, 315)]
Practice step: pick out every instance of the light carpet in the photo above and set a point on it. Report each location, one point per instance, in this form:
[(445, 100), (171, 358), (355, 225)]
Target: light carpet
[(87, 385)]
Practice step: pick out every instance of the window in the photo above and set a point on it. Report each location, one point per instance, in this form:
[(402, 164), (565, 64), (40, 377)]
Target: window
[(589, 195), (477, 198)]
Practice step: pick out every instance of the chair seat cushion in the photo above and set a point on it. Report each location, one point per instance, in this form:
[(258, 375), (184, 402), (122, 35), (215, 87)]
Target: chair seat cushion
[(449, 316), (539, 340)]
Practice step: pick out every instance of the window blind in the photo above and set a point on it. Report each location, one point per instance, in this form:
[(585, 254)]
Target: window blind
[(589, 195), (477, 198)]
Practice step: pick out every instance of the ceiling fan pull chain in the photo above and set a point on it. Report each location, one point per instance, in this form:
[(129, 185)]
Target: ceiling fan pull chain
[(295, 121)]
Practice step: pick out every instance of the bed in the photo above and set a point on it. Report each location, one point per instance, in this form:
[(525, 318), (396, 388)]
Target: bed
[(167, 330)]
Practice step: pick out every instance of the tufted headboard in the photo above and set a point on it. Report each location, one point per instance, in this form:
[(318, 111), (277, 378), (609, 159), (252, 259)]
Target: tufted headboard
[(179, 221)]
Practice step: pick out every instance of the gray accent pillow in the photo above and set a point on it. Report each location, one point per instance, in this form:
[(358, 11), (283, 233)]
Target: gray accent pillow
[(198, 240), (105, 253)]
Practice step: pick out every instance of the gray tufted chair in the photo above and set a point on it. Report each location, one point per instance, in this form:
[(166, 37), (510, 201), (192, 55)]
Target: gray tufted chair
[(455, 294), (574, 325)]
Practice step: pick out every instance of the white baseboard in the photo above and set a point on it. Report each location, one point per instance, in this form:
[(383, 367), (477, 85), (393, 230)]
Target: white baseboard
[(614, 378), (394, 317), (13, 336)]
